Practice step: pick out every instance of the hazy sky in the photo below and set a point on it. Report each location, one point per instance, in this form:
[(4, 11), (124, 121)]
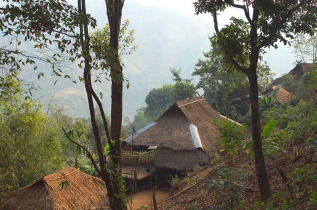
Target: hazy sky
[(169, 34), (280, 60)]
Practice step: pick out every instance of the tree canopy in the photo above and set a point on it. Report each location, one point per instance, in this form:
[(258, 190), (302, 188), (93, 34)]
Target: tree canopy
[(159, 99), (243, 41)]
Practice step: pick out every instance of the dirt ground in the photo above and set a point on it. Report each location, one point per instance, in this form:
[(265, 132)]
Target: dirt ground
[(144, 199), (288, 161)]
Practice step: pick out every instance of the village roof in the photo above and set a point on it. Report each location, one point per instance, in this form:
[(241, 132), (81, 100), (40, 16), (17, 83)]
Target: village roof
[(298, 71), (67, 189), (186, 125), (282, 96)]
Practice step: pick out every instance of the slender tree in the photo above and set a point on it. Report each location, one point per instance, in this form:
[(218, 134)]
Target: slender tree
[(108, 166), (241, 43), (114, 13)]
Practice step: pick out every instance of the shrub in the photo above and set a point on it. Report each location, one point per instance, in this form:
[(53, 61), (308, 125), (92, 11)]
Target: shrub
[(228, 187), (299, 194), (231, 136), (174, 181)]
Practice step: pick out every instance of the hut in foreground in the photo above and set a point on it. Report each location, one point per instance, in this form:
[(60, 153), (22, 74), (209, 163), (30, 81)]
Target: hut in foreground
[(67, 189), (184, 137)]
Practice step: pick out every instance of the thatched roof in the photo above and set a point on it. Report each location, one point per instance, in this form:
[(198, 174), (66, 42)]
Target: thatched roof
[(184, 129), (298, 71), (172, 129), (282, 96), (67, 189)]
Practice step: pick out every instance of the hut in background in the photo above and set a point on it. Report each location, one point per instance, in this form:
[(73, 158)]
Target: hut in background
[(285, 95), (67, 189), (184, 137), (282, 96)]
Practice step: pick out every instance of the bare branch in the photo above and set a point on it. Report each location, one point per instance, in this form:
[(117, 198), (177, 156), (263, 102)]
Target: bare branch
[(25, 55), (88, 154), (235, 63), (244, 8), (102, 115), (214, 16)]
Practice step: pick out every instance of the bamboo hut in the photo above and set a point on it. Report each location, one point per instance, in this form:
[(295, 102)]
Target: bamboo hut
[(67, 189), (184, 137)]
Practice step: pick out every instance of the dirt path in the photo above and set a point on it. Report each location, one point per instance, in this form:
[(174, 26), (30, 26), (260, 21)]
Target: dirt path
[(144, 198)]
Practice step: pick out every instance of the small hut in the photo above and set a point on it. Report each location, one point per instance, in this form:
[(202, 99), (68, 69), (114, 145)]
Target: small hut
[(282, 96), (67, 189), (285, 95), (184, 137)]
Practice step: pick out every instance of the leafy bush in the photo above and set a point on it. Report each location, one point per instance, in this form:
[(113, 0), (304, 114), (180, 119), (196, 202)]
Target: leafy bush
[(298, 195), (288, 114), (228, 187), (296, 123), (231, 136), (174, 181), (276, 142)]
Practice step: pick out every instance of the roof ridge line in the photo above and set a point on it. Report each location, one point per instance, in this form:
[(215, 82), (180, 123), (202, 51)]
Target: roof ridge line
[(62, 176), (191, 102)]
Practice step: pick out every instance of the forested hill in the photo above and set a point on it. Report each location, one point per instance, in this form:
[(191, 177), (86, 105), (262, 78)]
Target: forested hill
[(165, 28), (168, 37)]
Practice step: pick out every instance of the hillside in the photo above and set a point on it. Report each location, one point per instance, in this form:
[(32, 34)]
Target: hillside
[(294, 157)]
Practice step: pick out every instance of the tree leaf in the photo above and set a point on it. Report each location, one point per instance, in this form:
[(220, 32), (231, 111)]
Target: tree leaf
[(268, 128)]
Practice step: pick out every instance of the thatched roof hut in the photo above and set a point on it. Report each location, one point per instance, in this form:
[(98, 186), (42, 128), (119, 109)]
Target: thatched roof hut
[(298, 71), (67, 189), (282, 96), (285, 94), (185, 136)]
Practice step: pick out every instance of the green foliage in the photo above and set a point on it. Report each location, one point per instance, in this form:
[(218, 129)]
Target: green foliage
[(298, 194), (29, 147), (44, 25), (268, 102), (273, 143), (300, 119), (268, 128), (63, 185), (294, 123), (103, 54), (174, 181), (159, 99), (225, 90), (273, 23), (144, 207), (231, 136), (301, 87), (299, 180), (312, 142), (228, 187), (305, 48), (140, 120), (234, 41)]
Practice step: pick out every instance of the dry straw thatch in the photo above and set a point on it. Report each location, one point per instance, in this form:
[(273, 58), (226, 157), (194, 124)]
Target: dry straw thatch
[(67, 189), (172, 135), (282, 96), (298, 71)]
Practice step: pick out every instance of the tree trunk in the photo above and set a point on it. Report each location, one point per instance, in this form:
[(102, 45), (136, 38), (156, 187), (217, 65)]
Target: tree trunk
[(114, 13), (261, 174), (116, 112)]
